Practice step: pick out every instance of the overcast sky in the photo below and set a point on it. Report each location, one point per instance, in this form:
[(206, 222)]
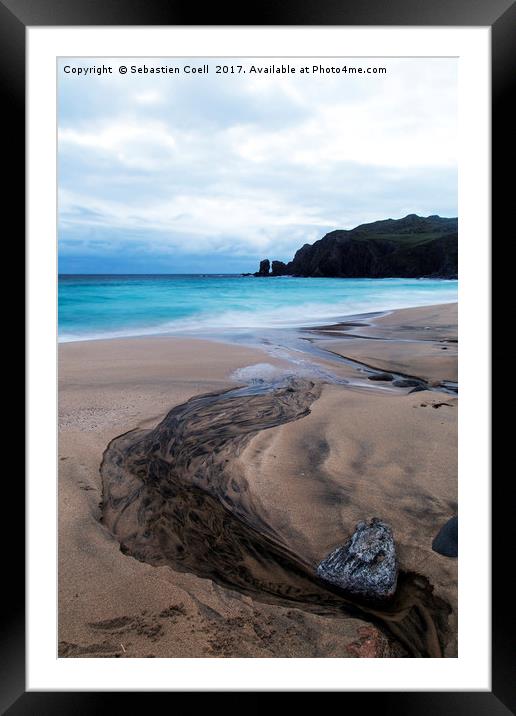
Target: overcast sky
[(211, 173)]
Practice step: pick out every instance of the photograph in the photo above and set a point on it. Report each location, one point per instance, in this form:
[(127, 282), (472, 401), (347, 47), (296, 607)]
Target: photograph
[(253, 240), (257, 357)]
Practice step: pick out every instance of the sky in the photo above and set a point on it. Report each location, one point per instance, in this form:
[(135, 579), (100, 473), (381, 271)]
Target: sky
[(210, 173)]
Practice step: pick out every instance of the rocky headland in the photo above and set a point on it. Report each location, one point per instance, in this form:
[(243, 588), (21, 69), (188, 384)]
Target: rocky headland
[(412, 247)]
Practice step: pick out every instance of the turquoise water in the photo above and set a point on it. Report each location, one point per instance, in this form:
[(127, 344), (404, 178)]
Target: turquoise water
[(109, 306)]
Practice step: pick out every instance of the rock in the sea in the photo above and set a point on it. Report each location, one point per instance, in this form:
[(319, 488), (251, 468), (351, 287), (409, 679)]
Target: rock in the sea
[(279, 268), (265, 267), (366, 565), (446, 541)]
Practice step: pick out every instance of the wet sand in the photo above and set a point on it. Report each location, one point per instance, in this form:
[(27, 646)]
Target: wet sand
[(414, 341), (224, 506)]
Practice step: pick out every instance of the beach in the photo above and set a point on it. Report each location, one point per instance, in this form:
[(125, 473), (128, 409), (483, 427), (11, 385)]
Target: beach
[(242, 494)]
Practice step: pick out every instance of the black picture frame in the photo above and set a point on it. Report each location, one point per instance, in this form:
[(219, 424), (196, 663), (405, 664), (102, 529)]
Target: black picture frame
[(500, 16)]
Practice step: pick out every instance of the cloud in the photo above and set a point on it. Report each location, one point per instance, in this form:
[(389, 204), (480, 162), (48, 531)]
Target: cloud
[(242, 223), (149, 97), (141, 145), (243, 166)]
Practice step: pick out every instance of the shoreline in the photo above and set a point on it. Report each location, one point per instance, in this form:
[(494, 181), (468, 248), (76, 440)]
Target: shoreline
[(258, 317), (368, 446)]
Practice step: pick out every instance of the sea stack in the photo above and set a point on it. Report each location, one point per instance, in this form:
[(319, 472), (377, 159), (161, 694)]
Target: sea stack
[(265, 267), (279, 268)]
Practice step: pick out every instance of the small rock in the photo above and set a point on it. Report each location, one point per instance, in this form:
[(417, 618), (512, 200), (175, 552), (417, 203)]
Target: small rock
[(380, 376), (366, 565), (406, 383), (446, 541)]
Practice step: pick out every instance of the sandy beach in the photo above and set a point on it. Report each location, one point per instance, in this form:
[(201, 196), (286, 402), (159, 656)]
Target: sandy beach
[(225, 506)]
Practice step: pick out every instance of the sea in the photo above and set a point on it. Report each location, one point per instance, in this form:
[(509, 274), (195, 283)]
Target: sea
[(113, 306)]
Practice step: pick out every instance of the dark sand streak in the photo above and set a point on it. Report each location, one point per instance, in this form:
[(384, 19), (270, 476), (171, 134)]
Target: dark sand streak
[(176, 495), (443, 386)]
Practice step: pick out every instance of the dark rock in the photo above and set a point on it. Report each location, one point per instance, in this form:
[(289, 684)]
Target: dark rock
[(406, 383), (380, 376), (366, 565), (446, 542), (265, 267), (414, 246), (279, 268)]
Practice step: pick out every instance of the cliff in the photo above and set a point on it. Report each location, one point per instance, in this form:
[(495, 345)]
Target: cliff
[(412, 247)]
